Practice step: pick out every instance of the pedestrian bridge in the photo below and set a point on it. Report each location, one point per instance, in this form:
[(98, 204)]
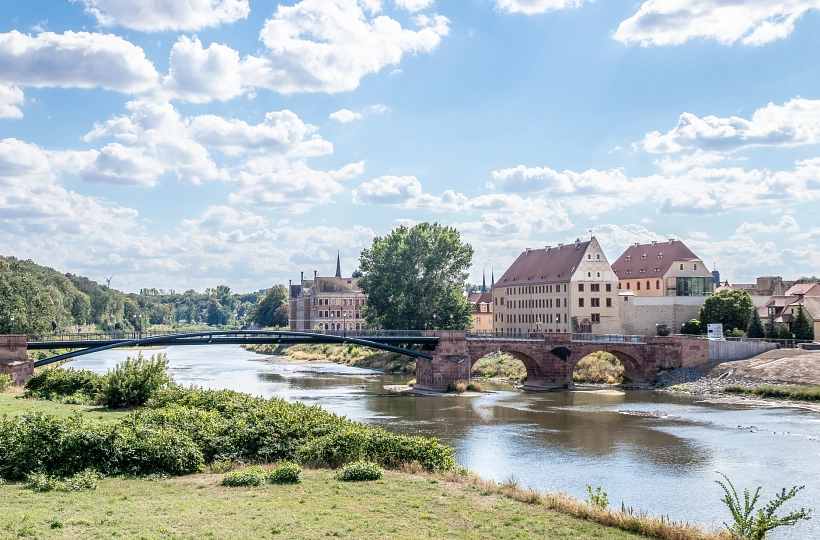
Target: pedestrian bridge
[(442, 356)]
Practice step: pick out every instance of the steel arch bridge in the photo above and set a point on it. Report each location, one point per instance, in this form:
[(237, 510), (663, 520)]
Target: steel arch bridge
[(390, 341)]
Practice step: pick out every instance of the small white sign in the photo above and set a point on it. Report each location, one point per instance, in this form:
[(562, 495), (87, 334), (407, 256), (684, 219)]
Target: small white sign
[(714, 331)]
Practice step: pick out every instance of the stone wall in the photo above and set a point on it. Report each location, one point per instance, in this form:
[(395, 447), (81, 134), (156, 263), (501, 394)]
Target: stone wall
[(723, 351), (640, 314), (13, 358)]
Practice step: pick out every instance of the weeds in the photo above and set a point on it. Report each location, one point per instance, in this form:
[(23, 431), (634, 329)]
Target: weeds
[(798, 393), (251, 476), (751, 525), (465, 386), (5, 382), (598, 497), (285, 473), (81, 481), (360, 471)]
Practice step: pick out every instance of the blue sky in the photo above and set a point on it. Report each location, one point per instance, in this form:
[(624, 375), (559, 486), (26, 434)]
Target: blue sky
[(188, 143)]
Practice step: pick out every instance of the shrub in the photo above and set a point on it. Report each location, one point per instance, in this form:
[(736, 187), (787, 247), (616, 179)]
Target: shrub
[(42, 482), (411, 382), (598, 368), (360, 471), (473, 386), (82, 481), (597, 497), (133, 382), (457, 386), (251, 476), (691, 327), (285, 473), (223, 466), (58, 383), (5, 382)]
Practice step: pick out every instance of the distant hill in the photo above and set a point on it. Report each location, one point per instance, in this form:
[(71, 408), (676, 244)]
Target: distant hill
[(36, 295)]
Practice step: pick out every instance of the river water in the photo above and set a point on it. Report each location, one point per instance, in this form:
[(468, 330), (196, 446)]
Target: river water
[(649, 450)]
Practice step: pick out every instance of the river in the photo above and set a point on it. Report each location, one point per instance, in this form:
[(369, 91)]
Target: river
[(649, 450)]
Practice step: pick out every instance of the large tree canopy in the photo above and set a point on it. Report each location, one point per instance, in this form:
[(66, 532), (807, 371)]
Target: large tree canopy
[(733, 309), (414, 279), (26, 307), (272, 309)]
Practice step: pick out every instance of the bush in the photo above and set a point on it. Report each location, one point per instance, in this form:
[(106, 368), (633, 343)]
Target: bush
[(5, 382), (457, 386), (360, 471), (252, 476), (691, 327), (82, 481), (473, 386), (133, 382), (598, 368), (57, 383), (285, 473)]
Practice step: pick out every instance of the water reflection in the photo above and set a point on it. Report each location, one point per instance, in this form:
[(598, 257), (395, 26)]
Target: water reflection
[(653, 451)]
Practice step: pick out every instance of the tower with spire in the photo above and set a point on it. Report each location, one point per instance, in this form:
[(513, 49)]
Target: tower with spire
[(338, 264), (483, 281)]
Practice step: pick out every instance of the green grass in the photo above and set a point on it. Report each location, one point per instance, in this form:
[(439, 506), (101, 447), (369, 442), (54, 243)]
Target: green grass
[(797, 393), (13, 403), (400, 506)]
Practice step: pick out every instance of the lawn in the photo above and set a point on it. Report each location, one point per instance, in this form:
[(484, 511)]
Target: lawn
[(13, 403), (400, 506)]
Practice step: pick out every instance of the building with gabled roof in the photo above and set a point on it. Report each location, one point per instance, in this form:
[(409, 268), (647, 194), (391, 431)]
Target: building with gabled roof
[(566, 288), (804, 289), (663, 269), (482, 304)]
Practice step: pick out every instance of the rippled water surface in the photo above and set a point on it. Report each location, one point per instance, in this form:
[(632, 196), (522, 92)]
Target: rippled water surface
[(650, 450)]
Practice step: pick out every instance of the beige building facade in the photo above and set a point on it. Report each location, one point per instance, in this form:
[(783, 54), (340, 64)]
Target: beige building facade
[(326, 303), (482, 314), (563, 288), (663, 269)]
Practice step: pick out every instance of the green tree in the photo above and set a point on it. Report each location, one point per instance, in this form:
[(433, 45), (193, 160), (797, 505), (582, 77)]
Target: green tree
[(771, 326), (25, 300), (755, 329), (264, 312), (216, 314), (691, 327), (783, 331), (414, 279), (733, 309), (802, 326)]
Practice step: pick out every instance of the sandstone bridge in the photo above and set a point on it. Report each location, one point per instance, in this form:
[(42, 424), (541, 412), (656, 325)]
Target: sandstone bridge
[(441, 356)]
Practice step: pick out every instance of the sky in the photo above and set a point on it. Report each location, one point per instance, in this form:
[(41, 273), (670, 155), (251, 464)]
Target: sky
[(182, 144)]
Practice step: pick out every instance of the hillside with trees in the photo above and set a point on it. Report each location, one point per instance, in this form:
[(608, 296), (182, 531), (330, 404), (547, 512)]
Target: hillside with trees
[(33, 298)]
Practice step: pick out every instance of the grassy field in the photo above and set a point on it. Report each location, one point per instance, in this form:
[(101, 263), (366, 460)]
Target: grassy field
[(796, 393), (13, 403), (400, 506)]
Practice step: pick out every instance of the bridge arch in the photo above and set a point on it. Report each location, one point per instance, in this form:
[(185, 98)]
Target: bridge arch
[(633, 367)]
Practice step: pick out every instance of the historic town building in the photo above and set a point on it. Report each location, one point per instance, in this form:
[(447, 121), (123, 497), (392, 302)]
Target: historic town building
[(662, 285), (482, 303), (563, 288), (327, 303)]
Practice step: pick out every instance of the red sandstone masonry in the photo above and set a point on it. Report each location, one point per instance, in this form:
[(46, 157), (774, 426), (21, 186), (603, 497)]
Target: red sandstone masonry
[(13, 358)]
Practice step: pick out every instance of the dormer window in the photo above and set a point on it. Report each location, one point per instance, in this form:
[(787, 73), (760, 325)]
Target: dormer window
[(643, 257)]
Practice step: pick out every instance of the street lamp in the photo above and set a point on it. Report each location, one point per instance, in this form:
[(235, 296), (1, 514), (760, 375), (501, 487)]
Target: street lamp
[(12, 324)]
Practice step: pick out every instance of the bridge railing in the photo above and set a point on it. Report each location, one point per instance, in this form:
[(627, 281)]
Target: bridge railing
[(118, 335), (483, 334), (366, 333), (608, 338)]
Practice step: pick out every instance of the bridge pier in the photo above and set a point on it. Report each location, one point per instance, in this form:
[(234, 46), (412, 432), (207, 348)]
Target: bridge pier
[(13, 358), (450, 363)]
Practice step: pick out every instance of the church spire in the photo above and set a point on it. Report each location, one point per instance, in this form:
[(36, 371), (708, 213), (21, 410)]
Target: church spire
[(338, 265), (492, 278), (483, 281)]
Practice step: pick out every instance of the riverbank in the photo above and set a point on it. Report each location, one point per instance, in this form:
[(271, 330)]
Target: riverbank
[(349, 355), (438, 505)]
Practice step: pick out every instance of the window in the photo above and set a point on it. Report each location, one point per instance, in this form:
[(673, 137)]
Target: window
[(598, 257), (681, 267), (609, 302), (694, 286), (647, 286), (626, 299), (609, 287), (595, 287), (694, 267), (628, 285), (595, 302), (478, 320), (596, 317), (580, 287), (638, 285), (580, 302), (658, 284), (589, 256)]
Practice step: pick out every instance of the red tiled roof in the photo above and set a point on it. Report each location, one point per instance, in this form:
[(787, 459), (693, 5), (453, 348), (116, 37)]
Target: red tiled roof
[(479, 297), (651, 260), (809, 289), (552, 265)]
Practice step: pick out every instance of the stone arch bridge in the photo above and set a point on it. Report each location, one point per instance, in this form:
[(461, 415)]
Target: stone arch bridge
[(551, 358)]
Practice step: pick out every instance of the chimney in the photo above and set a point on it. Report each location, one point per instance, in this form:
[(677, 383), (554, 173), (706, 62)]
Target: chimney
[(315, 273), (654, 242), (560, 246), (671, 240), (527, 251), (547, 247), (637, 244), (303, 275)]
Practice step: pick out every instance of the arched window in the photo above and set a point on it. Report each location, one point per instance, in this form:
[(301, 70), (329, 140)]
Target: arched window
[(681, 267), (628, 285), (658, 284), (638, 285), (647, 285)]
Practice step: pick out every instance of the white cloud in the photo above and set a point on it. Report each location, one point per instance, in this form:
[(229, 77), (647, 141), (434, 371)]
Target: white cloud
[(786, 224), (161, 15), (113, 164), (414, 5), (282, 132), (201, 75), (75, 60), (10, 98), (406, 192), (795, 123), (378, 108), (158, 130), (533, 7), (616, 238), (291, 187), (221, 217), (670, 165), (344, 116), (752, 22), (329, 45), (511, 218)]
